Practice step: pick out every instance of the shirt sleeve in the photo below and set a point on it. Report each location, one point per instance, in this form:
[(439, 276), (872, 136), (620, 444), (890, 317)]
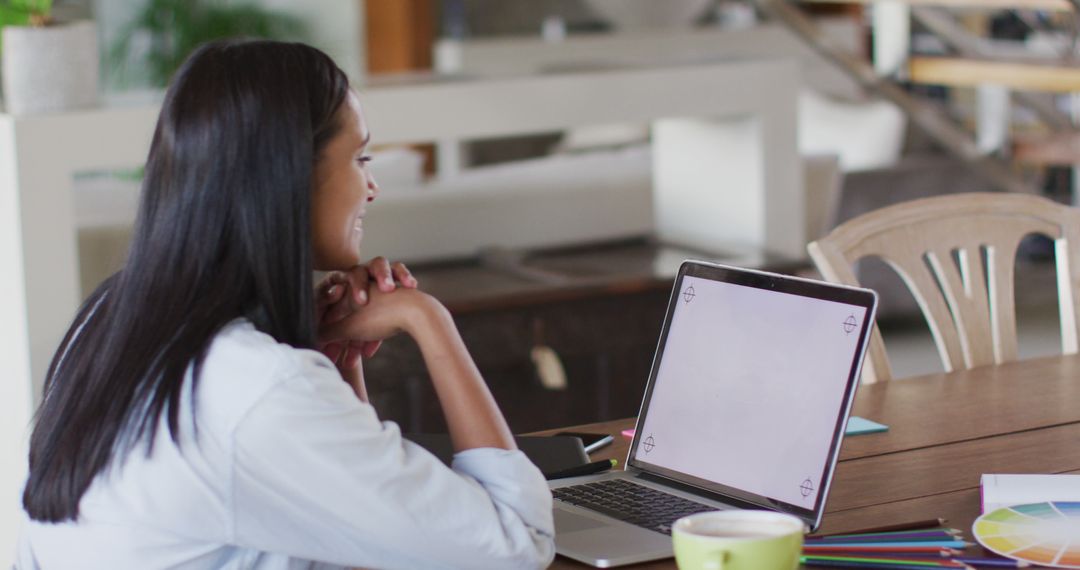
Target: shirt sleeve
[(24, 554), (316, 475)]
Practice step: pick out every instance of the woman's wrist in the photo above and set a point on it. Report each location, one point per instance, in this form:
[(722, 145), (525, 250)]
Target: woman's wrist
[(472, 416), (427, 315)]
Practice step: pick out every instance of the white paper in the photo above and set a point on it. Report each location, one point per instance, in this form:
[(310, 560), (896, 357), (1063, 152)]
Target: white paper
[(1007, 490)]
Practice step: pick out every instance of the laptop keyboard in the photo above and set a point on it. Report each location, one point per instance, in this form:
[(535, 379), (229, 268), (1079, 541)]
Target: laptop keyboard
[(629, 502)]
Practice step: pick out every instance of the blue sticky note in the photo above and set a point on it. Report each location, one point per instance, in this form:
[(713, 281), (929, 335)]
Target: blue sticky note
[(862, 426)]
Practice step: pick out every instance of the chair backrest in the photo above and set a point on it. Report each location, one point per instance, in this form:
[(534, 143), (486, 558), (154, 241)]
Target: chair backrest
[(957, 255)]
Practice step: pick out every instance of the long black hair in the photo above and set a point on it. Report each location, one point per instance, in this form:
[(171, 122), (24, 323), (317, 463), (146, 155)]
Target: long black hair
[(223, 231)]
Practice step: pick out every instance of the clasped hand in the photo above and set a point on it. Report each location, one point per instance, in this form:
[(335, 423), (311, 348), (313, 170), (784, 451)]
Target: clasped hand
[(344, 294)]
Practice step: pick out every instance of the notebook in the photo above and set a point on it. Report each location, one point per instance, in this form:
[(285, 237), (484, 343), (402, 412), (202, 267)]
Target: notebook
[(1007, 490)]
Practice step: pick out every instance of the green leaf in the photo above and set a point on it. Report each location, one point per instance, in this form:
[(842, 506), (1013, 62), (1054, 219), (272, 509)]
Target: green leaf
[(13, 16), (27, 8), (178, 27)]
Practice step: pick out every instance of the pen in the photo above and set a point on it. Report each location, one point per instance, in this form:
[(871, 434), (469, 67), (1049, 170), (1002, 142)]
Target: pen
[(587, 469)]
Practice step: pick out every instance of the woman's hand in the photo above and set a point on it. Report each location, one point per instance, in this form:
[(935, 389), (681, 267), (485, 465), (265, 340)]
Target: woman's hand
[(340, 294), (473, 418), (383, 316)]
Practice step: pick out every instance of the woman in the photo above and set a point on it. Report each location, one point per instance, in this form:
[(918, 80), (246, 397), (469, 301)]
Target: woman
[(187, 421)]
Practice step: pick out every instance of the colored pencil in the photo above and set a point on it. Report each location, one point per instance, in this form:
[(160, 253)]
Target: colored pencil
[(900, 548), (869, 565), (992, 562), (901, 561), (896, 533), (897, 536), (909, 541), (946, 555), (996, 562), (885, 544), (831, 564), (914, 525)]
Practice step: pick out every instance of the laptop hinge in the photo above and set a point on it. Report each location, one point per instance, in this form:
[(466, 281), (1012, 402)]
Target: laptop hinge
[(726, 499)]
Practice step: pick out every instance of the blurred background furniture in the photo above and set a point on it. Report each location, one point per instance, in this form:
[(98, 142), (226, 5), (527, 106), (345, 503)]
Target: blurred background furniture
[(957, 255)]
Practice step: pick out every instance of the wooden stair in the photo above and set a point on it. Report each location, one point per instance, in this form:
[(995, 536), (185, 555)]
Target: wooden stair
[(1024, 76), (979, 62), (941, 23), (1057, 149), (1054, 5), (925, 115)]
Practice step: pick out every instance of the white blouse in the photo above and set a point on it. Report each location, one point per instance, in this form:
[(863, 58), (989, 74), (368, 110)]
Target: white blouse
[(281, 467)]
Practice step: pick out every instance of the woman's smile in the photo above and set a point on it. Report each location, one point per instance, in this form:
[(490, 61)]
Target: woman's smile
[(358, 223), (342, 189)]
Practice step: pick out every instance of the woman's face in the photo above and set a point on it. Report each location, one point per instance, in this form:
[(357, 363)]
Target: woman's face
[(342, 186)]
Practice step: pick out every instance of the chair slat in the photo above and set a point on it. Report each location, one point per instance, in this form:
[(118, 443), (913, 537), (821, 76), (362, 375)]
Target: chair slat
[(957, 256)]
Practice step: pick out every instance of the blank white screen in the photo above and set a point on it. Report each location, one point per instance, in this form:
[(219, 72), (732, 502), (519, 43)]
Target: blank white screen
[(749, 388)]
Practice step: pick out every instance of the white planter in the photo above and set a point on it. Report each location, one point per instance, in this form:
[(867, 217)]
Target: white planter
[(50, 69), (637, 15)]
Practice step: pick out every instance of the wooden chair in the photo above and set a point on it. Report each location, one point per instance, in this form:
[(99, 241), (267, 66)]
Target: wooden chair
[(957, 255)]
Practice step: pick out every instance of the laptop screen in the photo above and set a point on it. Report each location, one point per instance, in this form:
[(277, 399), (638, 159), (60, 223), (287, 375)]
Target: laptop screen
[(751, 384)]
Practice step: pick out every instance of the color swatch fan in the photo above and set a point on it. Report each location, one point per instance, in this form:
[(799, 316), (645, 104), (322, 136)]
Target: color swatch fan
[(1047, 534)]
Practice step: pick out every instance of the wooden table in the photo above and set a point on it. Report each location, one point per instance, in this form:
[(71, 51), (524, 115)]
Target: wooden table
[(946, 430)]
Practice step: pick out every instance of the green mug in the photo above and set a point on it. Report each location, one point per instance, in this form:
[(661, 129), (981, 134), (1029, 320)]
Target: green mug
[(738, 540)]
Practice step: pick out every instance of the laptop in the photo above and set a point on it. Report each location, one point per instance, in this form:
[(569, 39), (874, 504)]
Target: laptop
[(745, 408)]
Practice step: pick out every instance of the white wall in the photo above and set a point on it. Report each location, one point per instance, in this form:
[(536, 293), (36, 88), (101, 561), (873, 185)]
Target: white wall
[(39, 286), (335, 26), (15, 392)]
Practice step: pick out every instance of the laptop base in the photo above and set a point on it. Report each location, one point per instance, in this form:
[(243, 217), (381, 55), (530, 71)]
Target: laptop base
[(604, 542)]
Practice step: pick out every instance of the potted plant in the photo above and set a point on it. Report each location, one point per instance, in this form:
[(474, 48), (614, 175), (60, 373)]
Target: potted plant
[(47, 66), (165, 32)]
